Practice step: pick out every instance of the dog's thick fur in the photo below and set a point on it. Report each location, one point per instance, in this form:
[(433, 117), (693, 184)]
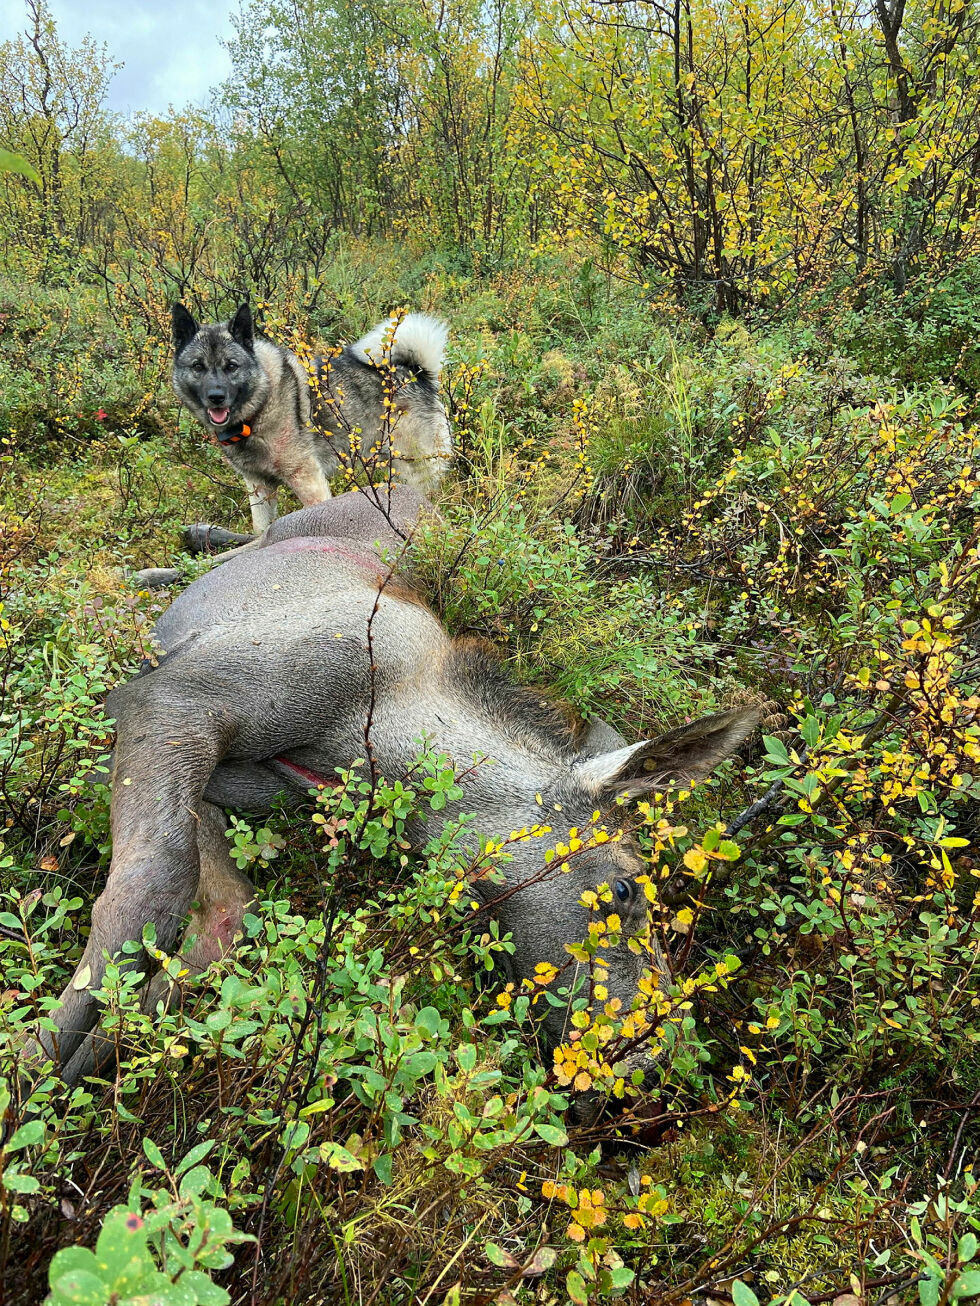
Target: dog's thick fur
[(376, 399)]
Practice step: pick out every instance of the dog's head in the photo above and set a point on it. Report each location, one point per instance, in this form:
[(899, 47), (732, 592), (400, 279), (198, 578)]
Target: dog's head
[(216, 373)]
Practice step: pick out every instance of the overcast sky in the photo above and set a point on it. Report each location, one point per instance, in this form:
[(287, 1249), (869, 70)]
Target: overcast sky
[(172, 51)]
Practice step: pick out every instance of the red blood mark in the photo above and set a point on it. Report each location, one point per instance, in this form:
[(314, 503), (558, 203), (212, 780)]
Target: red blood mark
[(317, 544), (313, 780), (222, 926)]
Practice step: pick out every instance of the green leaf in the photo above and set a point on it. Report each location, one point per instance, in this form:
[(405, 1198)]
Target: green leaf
[(497, 1256), (153, 1154), (78, 1288), (429, 1020), (10, 162), (205, 1293), (71, 1260), (775, 752), (966, 1248), (195, 1155), (929, 1291), (314, 1108), (742, 1294), (19, 1183), (418, 1064), (967, 1285), (551, 1134), (26, 1136), (195, 1181), (382, 1168), (338, 1158), (576, 1289), (121, 1253), (161, 1291)]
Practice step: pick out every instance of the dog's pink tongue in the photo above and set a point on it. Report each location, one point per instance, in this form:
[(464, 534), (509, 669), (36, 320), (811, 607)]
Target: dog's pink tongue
[(218, 415)]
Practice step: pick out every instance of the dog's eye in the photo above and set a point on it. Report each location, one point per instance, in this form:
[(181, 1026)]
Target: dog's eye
[(624, 890), (231, 366), (197, 365)]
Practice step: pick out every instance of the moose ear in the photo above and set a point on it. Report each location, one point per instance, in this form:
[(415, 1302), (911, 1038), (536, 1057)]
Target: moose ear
[(242, 328), (600, 737), (184, 327), (679, 757)]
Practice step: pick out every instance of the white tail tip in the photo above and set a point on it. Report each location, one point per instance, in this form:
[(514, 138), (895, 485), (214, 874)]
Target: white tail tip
[(420, 342)]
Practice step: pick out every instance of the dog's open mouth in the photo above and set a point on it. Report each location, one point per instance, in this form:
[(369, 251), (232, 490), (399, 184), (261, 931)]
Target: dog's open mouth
[(218, 416)]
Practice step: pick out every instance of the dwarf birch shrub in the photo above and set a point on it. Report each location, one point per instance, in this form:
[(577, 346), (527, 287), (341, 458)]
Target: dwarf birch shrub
[(845, 560)]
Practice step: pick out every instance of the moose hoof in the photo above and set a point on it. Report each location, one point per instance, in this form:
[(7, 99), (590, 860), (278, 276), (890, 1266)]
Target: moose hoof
[(203, 538), (155, 578)]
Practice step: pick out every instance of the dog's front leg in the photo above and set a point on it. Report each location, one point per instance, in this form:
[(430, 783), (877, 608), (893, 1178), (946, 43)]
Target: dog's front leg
[(262, 500), (310, 485)]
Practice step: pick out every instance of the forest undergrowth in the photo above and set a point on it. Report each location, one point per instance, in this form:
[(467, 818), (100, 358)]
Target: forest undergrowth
[(653, 519)]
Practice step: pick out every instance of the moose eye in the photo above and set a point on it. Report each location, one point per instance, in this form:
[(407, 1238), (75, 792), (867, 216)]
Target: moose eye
[(624, 890)]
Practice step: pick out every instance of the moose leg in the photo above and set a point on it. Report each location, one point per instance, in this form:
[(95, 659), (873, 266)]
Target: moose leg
[(202, 537), (234, 553), (224, 894), (262, 496), (168, 741)]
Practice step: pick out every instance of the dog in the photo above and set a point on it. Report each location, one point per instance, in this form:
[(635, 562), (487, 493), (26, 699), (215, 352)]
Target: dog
[(277, 422)]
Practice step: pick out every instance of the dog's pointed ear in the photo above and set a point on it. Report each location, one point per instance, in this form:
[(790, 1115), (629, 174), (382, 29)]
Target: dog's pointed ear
[(184, 327), (679, 757), (242, 327)]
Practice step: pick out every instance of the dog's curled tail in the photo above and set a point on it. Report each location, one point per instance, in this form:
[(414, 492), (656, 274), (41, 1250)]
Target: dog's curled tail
[(420, 343)]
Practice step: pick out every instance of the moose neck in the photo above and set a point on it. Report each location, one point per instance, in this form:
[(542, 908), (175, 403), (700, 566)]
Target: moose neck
[(510, 746)]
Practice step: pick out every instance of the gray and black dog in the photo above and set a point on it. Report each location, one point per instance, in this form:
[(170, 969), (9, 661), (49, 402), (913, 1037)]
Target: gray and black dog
[(279, 423)]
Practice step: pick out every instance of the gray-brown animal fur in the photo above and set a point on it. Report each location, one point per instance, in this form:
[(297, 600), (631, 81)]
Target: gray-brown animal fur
[(267, 678), (297, 433)]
